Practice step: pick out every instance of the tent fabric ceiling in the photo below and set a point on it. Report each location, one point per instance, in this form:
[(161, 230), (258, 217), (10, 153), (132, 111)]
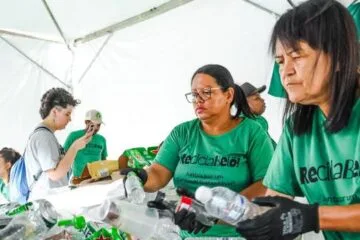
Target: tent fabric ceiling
[(75, 18), (280, 6), (141, 73), (81, 17)]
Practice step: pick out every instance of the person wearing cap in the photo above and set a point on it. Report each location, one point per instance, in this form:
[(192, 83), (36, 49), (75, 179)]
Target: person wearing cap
[(95, 150), (257, 105)]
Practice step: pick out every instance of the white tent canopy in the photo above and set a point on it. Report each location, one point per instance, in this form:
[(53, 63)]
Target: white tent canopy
[(132, 60)]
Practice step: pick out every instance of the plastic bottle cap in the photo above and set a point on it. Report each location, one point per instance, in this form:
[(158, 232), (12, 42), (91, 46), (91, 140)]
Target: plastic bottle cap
[(203, 194)]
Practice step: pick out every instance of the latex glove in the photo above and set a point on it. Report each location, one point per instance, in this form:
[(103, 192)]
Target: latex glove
[(286, 220)]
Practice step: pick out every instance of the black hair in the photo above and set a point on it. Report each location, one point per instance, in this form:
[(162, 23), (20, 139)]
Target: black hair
[(56, 97), (327, 26), (9, 155), (224, 79)]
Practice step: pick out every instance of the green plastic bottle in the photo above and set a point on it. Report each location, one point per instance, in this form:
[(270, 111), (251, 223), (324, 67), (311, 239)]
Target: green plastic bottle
[(20, 209), (78, 222)]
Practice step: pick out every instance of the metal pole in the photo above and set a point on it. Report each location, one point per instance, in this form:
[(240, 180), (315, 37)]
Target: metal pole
[(262, 8), (26, 35), (96, 56), (34, 62), (56, 24), (133, 20), (291, 3)]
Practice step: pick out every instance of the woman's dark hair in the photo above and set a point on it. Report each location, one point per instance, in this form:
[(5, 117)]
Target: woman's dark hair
[(56, 97), (326, 26), (224, 79), (9, 155)]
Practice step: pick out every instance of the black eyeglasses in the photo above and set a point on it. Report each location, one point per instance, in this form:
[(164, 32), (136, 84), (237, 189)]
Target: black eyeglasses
[(204, 94)]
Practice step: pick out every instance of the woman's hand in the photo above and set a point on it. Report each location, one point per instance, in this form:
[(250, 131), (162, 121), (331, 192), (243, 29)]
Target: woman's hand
[(285, 220)]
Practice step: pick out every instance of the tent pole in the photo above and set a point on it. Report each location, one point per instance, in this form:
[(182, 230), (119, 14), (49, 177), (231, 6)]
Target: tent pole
[(25, 35), (133, 20), (262, 8), (34, 62), (291, 3), (56, 24), (95, 57)]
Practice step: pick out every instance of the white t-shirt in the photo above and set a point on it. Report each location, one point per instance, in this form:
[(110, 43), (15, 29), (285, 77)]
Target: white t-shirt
[(43, 152)]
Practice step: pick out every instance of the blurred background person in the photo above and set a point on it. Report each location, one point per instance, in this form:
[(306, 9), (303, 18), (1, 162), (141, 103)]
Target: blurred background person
[(8, 157), (94, 150), (257, 105)]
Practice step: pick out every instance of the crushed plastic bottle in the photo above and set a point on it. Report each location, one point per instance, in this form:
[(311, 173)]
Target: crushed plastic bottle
[(138, 220), (229, 206), (134, 188), (31, 221)]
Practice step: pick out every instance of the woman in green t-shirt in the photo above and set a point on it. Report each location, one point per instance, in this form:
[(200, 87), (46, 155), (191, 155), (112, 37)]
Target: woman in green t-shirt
[(8, 157), (217, 148), (318, 155)]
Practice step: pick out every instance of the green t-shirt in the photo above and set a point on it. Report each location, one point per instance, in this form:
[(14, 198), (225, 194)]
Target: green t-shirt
[(235, 159), (95, 150), (323, 167), (4, 190), (264, 124), (262, 121)]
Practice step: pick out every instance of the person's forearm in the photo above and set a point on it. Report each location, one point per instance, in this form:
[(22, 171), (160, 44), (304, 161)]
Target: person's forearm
[(64, 165), (256, 189), (270, 192), (158, 177), (340, 218), (153, 182)]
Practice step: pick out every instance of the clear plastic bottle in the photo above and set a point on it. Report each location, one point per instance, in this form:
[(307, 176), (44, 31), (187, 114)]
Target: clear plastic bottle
[(134, 188), (138, 220), (31, 223), (229, 206), (4, 208)]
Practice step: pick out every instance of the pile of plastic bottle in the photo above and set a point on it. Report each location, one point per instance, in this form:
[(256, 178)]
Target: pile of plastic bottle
[(116, 217), (39, 220), (111, 220)]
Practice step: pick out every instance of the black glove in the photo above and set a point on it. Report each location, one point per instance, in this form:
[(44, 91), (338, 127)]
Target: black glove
[(284, 221), (185, 219), (185, 192), (202, 222), (141, 173)]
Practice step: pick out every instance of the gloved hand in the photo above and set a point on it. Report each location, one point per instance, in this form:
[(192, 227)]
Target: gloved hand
[(185, 192), (201, 221), (140, 173), (185, 219), (284, 221)]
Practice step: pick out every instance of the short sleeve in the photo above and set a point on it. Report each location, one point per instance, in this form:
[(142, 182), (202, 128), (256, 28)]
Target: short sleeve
[(168, 155), (260, 154), (46, 148), (280, 176)]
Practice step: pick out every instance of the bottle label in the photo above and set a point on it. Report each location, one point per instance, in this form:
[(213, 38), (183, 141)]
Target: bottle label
[(233, 215), (104, 172), (88, 230)]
